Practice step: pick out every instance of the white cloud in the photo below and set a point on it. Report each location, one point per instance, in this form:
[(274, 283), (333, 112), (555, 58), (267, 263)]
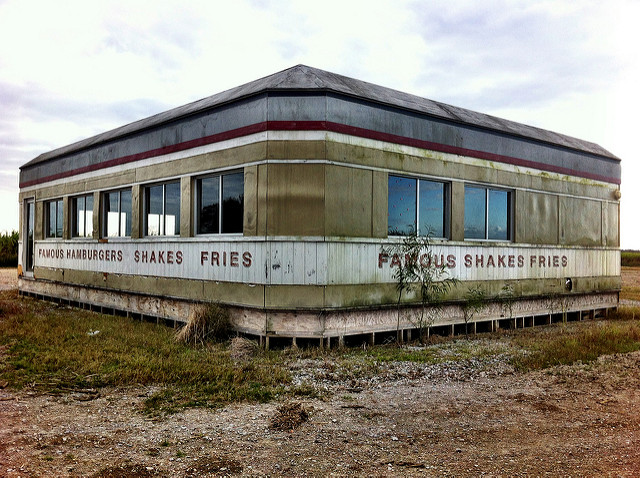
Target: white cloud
[(73, 69)]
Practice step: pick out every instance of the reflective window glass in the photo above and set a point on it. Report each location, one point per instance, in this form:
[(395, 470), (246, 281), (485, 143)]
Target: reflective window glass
[(431, 211), (232, 202), (475, 206), (220, 204), (117, 213), (209, 205), (498, 212), (402, 206), (82, 216), (162, 205), (54, 218), (487, 213)]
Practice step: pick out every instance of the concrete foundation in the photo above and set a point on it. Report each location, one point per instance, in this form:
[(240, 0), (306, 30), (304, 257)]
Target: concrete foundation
[(327, 328)]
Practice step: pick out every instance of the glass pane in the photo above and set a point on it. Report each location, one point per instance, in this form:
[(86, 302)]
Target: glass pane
[(474, 212), (111, 213), (88, 216), (154, 211), (402, 206), (59, 218), (232, 202), (498, 215), (172, 209), (125, 212), (77, 216), (30, 227), (208, 205), (431, 209), (82, 216), (51, 220)]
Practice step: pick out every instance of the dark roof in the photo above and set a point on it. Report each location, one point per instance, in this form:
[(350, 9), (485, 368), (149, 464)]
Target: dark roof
[(306, 79)]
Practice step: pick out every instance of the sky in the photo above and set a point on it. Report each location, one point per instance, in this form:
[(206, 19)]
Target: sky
[(73, 69)]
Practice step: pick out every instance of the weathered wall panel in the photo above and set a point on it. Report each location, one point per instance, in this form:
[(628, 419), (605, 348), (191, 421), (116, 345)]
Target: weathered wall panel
[(295, 196), (348, 206), (536, 218), (611, 224), (580, 222)]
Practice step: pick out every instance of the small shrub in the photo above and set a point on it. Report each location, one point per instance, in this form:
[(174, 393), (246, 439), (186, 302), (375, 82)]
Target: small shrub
[(288, 416), (210, 322), (243, 349)]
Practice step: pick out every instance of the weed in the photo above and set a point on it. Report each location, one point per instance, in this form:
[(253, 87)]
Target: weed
[(305, 389)]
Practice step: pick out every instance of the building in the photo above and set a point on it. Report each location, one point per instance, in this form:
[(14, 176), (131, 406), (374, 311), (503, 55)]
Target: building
[(278, 198)]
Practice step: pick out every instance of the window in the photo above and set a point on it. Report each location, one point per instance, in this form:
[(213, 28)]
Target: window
[(116, 213), (54, 218), (162, 209), (82, 216), (226, 190), (30, 223), (417, 205), (487, 213)]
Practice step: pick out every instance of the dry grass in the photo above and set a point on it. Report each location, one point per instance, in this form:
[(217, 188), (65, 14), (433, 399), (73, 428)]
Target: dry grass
[(8, 278), (289, 416), (206, 323), (630, 283)]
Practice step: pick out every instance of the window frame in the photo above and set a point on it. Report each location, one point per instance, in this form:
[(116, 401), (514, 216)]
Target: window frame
[(446, 206), (221, 209), (29, 235), (487, 211), (162, 225), (74, 216), (104, 228), (59, 221)]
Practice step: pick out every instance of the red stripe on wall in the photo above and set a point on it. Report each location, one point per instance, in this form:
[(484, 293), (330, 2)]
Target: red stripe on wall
[(318, 126)]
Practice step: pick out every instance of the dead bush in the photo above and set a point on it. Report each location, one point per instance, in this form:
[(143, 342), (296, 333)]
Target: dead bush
[(206, 323), (243, 349), (289, 416)]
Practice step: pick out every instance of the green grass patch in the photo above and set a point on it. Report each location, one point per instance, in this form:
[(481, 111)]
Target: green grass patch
[(55, 349), (582, 342), (630, 258)]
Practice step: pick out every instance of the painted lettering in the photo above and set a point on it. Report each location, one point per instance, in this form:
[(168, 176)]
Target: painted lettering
[(468, 260), (246, 259), (383, 257), (233, 259)]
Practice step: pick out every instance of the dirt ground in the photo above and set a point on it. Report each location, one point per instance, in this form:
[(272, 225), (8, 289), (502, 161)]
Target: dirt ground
[(474, 419)]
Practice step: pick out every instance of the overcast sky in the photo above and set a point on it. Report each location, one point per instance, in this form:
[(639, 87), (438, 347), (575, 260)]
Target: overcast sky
[(69, 70)]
